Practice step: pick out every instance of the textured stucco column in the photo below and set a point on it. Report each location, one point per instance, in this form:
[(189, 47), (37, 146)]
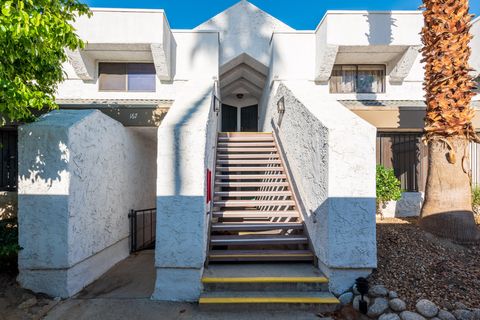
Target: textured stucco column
[(184, 150), (331, 153), (78, 179)]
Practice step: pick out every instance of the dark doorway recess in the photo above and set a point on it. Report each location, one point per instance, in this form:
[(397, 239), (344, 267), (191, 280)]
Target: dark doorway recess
[(249, 119), (229, 118)]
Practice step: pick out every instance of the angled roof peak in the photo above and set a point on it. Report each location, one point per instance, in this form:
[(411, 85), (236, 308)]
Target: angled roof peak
[(244, 28)]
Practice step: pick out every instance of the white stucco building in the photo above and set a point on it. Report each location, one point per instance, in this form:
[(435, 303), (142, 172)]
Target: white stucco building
[(137, 128)]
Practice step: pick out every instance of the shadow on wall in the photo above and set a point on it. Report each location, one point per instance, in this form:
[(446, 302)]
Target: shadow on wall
[(378, 34), (180, 127)]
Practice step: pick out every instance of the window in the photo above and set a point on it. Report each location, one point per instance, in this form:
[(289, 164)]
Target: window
[(126, 77), (358, 79), (8, 160)]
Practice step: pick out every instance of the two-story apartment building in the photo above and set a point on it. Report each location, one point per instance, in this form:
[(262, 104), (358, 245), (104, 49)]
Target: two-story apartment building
[(336, 100)]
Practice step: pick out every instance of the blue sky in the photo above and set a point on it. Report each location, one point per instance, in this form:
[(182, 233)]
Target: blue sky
[(299, 14)]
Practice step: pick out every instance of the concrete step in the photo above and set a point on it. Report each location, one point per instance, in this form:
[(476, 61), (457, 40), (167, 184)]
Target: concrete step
[(260, 255), (284, 300)]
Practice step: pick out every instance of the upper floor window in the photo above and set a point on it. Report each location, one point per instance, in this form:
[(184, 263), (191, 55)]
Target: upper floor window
[(126, 77), (358, 79)]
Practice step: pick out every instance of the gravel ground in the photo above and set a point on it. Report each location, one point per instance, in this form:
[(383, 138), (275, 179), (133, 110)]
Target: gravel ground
[(418, 265)]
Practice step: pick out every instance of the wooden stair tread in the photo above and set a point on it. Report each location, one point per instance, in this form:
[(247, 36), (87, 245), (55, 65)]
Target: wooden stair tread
[(252, 193), (260, 255), (252, 184), (248, 156), (249, 162), (249, 169), (254, 203), (255, 226), (246, 139), (257, 239), (245, 149), (245, 144), (250, 176), (256, 214)]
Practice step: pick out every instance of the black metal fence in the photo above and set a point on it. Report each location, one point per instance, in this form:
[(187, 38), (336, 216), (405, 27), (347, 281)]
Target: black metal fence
[(8, 160), (142, 229)]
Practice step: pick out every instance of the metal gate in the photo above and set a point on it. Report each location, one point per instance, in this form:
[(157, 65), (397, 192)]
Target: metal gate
[(142, 229)]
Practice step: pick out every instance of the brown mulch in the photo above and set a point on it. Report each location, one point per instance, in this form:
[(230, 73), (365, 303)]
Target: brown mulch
[(419, 265)]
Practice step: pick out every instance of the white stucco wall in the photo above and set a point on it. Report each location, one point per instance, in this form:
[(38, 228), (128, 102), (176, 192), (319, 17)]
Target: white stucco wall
[(331, 153), (80, 172), (244, 28), (187, 136)]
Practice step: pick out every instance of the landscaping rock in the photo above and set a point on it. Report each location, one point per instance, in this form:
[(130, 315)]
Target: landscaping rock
[(357, 299), (463, 314), (445, 315), (389, 316), (459, 306), (392, 295), (378, 291), (426, 308), (476, 314), (355, 290), (346, 298), (28, 303), (408, 315), (378, 307), (397, 305)]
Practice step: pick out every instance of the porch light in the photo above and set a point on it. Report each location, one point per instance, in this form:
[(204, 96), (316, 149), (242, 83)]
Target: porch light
[(280, 110)]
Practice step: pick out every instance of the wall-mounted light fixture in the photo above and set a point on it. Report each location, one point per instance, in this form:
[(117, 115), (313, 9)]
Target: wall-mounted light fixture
[(280, 110), (216, 104)]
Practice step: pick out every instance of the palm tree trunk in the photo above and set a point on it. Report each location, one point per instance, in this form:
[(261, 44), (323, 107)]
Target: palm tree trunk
[(447, 210)]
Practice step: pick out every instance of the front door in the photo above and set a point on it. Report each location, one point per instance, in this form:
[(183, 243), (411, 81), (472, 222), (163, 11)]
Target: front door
[(249, 119), (229, 118)]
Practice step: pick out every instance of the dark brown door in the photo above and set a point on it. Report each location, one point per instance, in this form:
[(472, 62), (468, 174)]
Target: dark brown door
[(229, 118), (249, 119)]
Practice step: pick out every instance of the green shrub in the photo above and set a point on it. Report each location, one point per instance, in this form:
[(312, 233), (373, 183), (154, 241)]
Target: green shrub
[(388, 186), (476, 199), (8, 245)]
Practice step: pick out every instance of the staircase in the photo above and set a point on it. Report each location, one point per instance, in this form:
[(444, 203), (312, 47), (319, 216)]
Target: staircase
[(259, 251), (255, 216)]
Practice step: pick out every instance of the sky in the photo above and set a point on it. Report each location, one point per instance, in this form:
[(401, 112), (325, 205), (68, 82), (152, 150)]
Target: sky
[(299, 14)]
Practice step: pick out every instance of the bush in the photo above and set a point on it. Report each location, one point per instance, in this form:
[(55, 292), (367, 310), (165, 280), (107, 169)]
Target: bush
[(388, 186), (9, 245), (476, 199)]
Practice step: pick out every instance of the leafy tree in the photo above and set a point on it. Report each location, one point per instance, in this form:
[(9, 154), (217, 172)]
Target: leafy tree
[(447, 210), (33, 37), (388, 187)]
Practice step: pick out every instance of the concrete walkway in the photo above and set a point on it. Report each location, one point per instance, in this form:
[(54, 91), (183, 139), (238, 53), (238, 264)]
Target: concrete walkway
[(124, 293)]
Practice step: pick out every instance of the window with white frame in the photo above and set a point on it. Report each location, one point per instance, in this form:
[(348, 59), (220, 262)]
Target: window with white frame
[(126, 77), (358, 79)]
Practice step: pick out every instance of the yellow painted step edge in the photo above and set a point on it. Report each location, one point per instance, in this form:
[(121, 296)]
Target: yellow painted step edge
[(269, 300), (266, 280)]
